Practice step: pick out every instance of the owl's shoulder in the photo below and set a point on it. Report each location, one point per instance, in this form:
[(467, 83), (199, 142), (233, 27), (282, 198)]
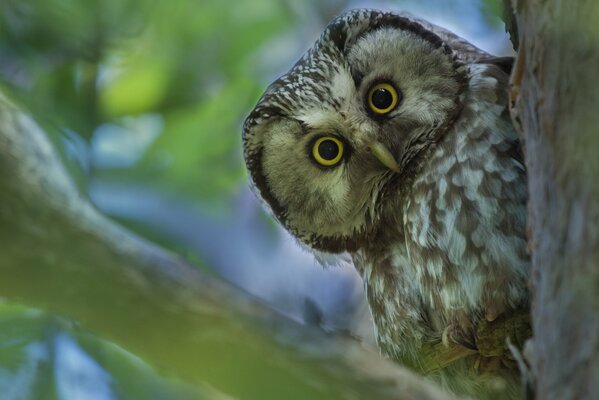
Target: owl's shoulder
[(464, 218)]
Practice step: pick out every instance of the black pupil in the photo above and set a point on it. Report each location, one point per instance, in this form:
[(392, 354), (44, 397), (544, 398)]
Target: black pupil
[(382, 98), (328, 149)]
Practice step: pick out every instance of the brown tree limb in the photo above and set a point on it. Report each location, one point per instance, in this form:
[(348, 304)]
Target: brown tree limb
[(61, 255), (556, 106)]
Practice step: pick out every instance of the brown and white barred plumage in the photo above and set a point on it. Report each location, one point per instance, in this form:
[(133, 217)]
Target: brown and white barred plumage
[(441, 243)]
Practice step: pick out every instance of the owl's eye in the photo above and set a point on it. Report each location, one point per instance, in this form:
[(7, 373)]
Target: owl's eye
[(383, 98), (327, 151)]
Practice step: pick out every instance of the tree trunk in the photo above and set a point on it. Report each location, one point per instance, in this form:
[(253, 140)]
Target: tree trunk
[(59, 254), (556, 107)]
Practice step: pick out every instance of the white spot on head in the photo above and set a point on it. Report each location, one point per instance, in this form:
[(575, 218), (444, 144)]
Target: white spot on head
[(343, 88)]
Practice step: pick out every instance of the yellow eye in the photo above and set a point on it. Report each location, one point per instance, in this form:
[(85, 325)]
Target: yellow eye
[(383, 98), (327, 151)]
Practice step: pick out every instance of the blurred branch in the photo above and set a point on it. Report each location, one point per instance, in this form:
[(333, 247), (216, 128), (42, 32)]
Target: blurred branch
[(60, 254)]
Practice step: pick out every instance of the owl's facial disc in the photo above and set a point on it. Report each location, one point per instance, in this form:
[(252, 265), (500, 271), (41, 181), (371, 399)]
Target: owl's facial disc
[(320, 182)]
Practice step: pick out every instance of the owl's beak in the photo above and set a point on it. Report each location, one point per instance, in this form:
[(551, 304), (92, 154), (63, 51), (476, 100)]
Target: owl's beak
[(383, 154)]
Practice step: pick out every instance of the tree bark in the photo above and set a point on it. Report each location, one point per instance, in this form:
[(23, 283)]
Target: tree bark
[(556, 107), (61, 255)]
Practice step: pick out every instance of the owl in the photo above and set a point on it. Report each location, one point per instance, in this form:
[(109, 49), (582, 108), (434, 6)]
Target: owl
[(390, 142)]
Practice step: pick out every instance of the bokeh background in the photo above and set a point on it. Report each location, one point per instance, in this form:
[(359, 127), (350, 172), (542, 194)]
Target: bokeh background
[(145, 100)]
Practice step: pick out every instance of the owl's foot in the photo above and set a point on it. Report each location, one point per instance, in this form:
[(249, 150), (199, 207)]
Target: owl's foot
[(487, 344), (491, 333)]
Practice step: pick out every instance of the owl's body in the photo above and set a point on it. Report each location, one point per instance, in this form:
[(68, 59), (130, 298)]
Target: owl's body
[(457, 251), (390, 140)]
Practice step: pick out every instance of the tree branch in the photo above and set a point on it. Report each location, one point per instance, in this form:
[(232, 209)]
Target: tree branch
[(60, 254)]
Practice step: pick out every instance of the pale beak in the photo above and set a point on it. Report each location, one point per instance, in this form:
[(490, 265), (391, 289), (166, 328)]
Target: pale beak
[(381, 152)]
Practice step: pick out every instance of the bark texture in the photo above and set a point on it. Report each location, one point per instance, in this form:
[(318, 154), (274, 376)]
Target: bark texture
[(60, 254), (556, 107)]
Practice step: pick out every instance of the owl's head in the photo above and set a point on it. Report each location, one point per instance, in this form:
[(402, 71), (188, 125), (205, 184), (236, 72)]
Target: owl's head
[(328, 139)]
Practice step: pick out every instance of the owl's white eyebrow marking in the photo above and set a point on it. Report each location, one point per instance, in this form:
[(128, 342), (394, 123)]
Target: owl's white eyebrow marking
[(342, 88)]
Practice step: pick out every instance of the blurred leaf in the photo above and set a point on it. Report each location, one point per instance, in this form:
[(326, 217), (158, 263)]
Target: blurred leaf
[(199, 151), (139, 88), (492, 10)]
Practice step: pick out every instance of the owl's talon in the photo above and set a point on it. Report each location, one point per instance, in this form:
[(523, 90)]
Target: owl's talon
[(450, 335), (453, 334)]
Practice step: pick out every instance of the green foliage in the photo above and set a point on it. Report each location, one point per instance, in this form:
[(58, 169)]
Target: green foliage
[(82, 64), (493, 11)]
